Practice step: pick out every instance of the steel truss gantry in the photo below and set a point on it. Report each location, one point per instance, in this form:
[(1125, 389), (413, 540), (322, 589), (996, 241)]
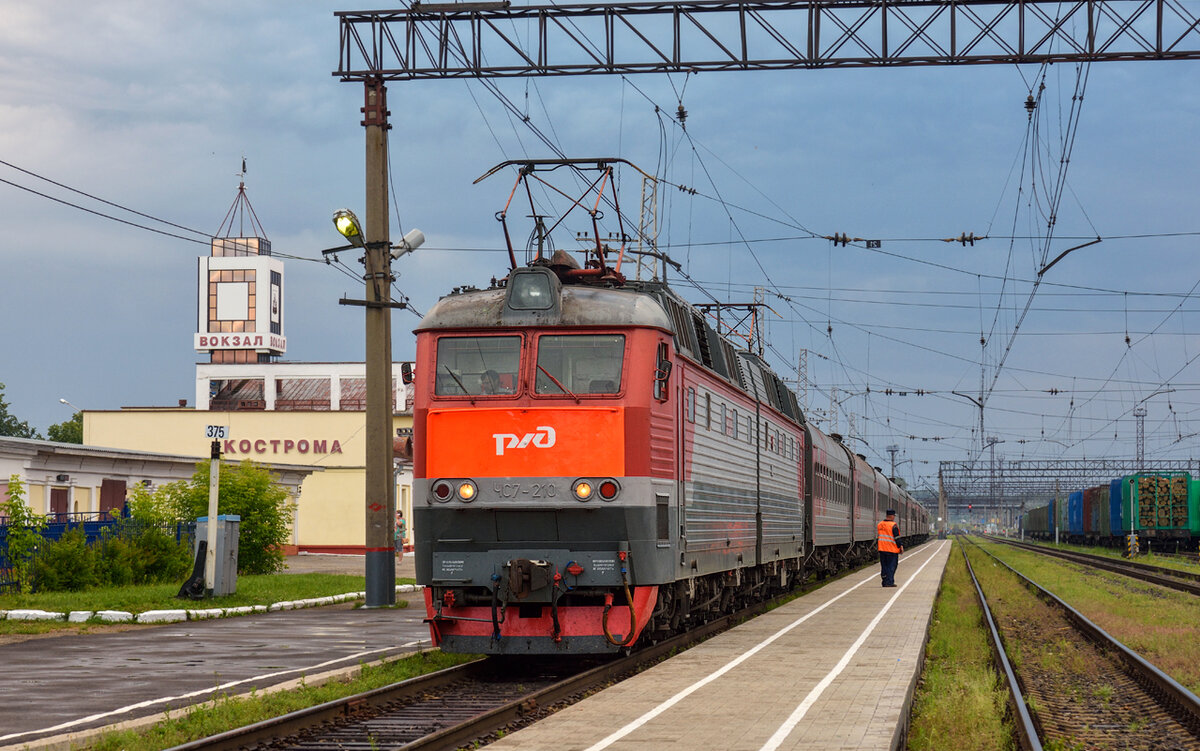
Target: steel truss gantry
[(496, 39), (1011, 484)]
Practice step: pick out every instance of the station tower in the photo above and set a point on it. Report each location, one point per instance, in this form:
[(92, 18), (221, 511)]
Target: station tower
[(239, 316)]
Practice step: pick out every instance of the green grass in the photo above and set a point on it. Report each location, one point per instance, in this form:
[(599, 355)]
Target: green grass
[(227, 713), (960, 702), (251, 590)]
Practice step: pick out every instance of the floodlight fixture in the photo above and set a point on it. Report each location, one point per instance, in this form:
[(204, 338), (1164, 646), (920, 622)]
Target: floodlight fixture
[(348, 225), (411, 241)]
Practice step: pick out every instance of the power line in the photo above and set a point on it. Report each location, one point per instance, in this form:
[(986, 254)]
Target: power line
[(97, 198), (105, 216)]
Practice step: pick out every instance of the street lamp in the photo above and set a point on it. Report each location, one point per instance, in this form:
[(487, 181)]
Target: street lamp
[(978, 403), (348, 226), (72, 406)]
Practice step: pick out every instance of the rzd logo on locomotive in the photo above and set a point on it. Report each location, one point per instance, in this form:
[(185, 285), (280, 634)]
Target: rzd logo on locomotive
[(542, 438)]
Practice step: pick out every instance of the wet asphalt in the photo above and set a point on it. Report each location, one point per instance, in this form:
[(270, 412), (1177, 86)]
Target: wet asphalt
[(75, 682)]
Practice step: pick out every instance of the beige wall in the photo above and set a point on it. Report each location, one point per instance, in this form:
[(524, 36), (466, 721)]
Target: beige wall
[(330, 508)]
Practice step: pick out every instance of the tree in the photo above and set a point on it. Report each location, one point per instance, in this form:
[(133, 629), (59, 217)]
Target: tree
[(25, 528), (248, 490), (10, 425), (70, 431)]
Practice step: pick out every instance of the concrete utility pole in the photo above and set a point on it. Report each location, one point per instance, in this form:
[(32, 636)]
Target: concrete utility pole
[(381, 491)]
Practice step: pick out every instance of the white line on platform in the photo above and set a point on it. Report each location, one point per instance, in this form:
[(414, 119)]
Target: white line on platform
[(663, 707), (776, 740)]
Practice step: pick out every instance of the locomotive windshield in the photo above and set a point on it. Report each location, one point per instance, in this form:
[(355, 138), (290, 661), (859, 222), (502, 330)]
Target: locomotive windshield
[(477, 365), (582, 363)]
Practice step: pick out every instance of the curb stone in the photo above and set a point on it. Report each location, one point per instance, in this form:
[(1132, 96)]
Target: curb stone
[(175, 616)]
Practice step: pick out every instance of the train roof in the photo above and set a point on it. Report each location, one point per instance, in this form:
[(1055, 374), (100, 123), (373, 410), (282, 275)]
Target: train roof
[(546, 294), (578, 306)]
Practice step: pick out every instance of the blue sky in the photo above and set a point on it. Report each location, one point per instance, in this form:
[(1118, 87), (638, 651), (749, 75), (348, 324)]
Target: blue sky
[(153, 106)]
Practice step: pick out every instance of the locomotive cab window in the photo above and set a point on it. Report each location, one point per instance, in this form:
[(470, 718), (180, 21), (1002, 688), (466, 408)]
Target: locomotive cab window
[(579, 364), (477, 365)]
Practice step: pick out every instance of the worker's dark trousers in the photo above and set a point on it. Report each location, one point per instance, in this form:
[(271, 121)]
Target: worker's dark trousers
[(887, 564)]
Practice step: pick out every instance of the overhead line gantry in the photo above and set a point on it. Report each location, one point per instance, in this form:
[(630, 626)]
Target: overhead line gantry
[(496, 40)]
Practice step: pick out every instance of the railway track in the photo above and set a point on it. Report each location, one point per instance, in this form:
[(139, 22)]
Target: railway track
[(1080, 686), (457, 706), (1184, 581)]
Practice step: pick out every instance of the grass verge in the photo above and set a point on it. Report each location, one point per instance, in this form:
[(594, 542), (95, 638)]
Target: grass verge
[(960, 703), (226, 713)]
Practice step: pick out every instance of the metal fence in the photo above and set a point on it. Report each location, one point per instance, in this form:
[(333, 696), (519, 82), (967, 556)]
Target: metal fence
[(94, 525)]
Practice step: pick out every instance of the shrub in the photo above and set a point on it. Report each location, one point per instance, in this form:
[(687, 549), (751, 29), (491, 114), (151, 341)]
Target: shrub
[(115, 560), (133, 552), (158, 557), (249, 491), (65, 564)]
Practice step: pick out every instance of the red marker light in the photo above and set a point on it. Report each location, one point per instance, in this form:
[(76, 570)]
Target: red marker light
[(608, 490)]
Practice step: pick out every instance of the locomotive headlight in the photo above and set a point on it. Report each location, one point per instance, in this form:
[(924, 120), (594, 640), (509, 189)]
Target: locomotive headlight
[(583, 490), (467, 491)]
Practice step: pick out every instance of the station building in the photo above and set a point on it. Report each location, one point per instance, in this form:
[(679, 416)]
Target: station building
[(308, 414), (64, 479), (274, 412)]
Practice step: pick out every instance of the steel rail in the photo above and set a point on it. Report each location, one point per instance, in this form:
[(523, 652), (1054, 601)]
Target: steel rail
[(1142, 571), (303, 719), (1176, 696), (1027, 731), (486, 722)]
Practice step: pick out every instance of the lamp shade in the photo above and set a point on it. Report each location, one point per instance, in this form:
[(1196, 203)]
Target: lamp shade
[(347, 224)]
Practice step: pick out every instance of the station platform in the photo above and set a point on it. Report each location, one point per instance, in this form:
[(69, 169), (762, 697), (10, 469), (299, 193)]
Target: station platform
[(834, 669)]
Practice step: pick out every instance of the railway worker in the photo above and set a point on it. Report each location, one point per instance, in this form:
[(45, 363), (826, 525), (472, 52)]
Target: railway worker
[(888, 532), (489, 382)]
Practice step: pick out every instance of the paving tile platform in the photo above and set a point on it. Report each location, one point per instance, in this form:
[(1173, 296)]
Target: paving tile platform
[(835, 669)]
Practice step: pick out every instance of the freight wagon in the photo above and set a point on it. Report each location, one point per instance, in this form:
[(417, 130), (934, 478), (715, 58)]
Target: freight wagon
[(1163, 508)]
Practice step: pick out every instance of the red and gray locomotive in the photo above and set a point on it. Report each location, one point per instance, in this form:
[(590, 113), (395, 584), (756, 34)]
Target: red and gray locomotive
[(594, 464)]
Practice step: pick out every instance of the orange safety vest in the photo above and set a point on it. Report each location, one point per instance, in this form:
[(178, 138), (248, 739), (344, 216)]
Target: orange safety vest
[(887, 536)]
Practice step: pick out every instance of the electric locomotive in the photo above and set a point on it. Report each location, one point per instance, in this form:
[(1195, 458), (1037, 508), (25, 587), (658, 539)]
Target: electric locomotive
[(594, 464)]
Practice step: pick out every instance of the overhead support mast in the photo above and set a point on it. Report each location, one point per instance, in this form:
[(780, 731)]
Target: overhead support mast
[(496, 40)]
